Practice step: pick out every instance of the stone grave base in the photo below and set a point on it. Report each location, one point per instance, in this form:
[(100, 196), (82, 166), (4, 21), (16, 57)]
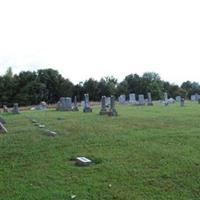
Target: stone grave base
[(87, 110), (112, 113), (103, 112), (75, 109)]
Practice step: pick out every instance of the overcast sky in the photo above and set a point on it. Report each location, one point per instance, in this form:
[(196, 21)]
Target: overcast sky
[(89, 38)]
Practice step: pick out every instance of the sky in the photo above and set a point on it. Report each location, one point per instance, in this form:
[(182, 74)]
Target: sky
[(90, 38)]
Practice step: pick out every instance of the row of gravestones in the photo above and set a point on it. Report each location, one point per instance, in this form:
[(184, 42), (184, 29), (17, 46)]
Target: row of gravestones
[(65, 104), (132, 99)]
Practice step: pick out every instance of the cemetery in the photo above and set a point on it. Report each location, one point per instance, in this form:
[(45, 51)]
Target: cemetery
[(115, 151)]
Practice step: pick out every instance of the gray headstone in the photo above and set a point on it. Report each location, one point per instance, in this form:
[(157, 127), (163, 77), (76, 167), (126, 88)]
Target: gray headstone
[(108, 101), (166, 99), (103, 110), (75, 106), (122, 99), (112, 111), (182, 102), (87, 107), (132, 99), (41, 106), (15, 109), (178, 98), (5, 108), (149, 100), (141, 100), (64, 104)]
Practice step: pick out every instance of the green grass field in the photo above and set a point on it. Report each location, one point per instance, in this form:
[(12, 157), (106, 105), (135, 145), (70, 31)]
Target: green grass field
[(144, 153)]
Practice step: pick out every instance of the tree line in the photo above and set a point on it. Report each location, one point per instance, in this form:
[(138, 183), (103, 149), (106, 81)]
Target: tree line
[(30, 88)]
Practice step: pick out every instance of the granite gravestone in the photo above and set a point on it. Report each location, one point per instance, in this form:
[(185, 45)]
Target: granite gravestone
[(75, 106), (122, 99), (64, 104), (87, 107), (178, 98), (166, 99), (141, 101), (5, 108), (112, 111), (193, 97), (149, 100), (15, 109), (182, 102), (132, 99), (103, 110), (107, 101), (41, 106)]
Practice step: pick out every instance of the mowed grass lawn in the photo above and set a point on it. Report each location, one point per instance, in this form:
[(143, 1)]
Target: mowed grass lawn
[(144, 153)]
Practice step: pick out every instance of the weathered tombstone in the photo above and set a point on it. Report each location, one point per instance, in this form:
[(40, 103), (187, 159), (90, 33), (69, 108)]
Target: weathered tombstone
[(15, 109), (64, 104), (132, 99), (2, 128), (196, 97), (182, 102), (193, 97), (5, 108), (141, 100), (75, 106), (107, 101), (149, 100), (41, 106), (87, 107), (103, 110), (122, 99), (112, 111), (178, 98), (166, 99)]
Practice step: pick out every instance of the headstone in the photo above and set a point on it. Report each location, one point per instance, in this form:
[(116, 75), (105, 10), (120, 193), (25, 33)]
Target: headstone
[(103, 110), (82, 161), (15, 109), (107, 101), (149, 100), (2, 128), (182, 102), (196, 97), (75, 106), (41, 106), (166, 99), (5, 108), (112, 111), (141, 100), (132, 99), (178, 98), (193, 98), (122, 99), (87, 107), (64, 104)]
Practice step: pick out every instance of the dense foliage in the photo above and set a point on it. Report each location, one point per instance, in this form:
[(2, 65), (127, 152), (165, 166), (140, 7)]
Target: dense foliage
[(28, 88)]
